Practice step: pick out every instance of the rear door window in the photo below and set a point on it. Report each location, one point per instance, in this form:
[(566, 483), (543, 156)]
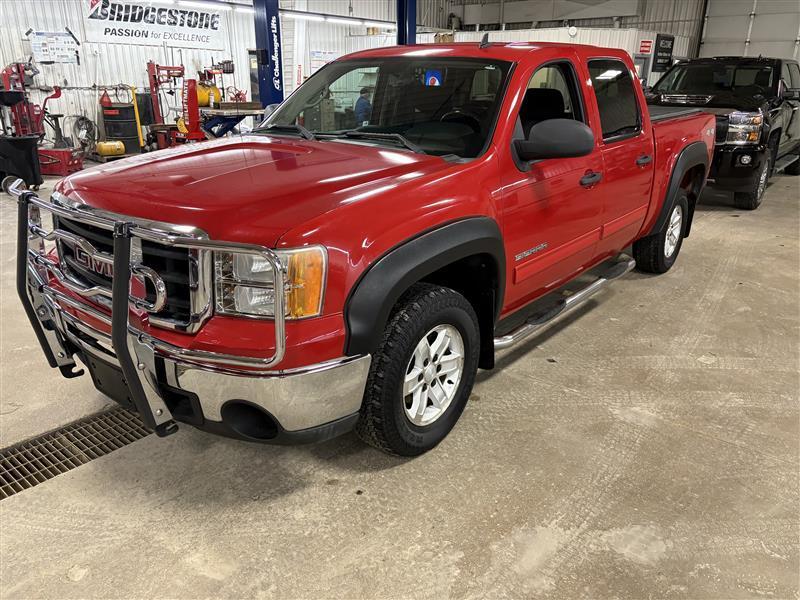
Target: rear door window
[(794, 74), (616, 98)]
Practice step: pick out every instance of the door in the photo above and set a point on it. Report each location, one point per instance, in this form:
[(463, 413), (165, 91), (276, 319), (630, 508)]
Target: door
[(551, 220), (791, 108), (627, 151)]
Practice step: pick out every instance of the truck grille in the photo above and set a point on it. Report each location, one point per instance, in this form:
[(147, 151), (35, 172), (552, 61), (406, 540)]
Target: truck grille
[(685, 99), (172, 264), (722, 129)]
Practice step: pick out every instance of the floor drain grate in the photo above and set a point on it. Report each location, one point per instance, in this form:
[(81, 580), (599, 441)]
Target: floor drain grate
[(36, 460)]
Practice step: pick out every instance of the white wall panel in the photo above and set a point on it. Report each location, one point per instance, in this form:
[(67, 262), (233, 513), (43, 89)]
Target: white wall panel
[(773, 30), (108, 64)]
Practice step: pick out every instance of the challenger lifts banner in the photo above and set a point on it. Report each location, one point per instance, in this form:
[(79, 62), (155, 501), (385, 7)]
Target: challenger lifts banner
[(141, 23)]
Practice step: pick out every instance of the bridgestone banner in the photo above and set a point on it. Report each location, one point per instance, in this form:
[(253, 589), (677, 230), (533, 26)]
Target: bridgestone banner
[(143, 23)]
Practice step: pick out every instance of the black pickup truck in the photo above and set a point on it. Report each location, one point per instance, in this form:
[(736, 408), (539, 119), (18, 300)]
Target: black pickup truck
[(756, 102)]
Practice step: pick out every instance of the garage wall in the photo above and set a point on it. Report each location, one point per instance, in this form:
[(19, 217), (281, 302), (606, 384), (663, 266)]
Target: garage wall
[(752, 27), (108, 64), (677, 17)]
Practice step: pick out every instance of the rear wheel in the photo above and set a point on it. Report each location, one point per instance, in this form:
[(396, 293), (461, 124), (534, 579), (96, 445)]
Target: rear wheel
[(657, 253), (422, 373)]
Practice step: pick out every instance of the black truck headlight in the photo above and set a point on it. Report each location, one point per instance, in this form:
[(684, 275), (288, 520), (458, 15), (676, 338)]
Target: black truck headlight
[(245, 284), (744, 127)]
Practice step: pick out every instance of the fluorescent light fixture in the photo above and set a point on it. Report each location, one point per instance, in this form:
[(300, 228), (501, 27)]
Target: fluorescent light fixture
[(302, 16), (610, 74), (344, 21), (381, 25), (207, 5)]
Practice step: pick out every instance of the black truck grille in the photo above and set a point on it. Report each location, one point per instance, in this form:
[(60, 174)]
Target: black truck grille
[(171, 264)]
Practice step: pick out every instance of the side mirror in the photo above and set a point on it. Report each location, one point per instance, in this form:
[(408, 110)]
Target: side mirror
[(556, 138), (790, 94)]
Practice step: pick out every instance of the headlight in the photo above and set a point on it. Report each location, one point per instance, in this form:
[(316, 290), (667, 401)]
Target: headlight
[(744, 127), (245, 285)]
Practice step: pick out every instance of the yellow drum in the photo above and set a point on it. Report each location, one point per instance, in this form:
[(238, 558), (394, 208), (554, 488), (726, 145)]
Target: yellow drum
[(110, 148), (208, 95)]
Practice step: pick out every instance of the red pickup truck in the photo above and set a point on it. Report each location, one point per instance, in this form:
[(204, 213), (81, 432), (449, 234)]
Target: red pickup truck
[(355, 259)]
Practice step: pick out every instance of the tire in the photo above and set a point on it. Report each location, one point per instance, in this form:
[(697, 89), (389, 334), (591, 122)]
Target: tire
[(751, 199), (429, 314), (657, 253)]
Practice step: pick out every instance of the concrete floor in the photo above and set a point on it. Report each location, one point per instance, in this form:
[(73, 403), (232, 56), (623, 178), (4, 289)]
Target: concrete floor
[(648, 448)]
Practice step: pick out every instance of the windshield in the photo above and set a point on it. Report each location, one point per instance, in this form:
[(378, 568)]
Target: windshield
[(437, 106), (712, 79)]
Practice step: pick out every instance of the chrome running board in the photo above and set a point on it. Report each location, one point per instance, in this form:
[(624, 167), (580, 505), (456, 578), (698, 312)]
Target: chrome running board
[(540, 322)]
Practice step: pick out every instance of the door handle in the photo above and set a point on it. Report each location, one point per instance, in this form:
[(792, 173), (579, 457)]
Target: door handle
[(591, 178), (644, 159)]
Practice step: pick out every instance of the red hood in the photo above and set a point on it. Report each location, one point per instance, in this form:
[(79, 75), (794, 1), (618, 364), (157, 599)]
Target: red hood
[(248, 188)]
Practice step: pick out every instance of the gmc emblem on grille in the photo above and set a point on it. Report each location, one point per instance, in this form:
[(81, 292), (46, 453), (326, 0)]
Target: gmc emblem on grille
[(93, 264)]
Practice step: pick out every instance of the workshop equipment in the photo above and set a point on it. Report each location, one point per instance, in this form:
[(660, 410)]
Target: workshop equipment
[(208, 94), (110, 148), (120, 123), (26, 116), (60, 161), (18, 158), (160, 76)]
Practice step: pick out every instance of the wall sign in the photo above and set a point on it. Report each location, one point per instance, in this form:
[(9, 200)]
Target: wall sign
[(53, 47), (145, 23), (663, 55), (645, 46)]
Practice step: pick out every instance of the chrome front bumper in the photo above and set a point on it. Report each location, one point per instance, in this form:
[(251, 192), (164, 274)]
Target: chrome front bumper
[(298, 401)]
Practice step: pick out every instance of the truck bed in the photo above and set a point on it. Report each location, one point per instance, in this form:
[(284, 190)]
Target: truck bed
[(663, 113)]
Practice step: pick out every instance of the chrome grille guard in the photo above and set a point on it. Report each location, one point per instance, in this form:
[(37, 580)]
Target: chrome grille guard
[(135, 350)]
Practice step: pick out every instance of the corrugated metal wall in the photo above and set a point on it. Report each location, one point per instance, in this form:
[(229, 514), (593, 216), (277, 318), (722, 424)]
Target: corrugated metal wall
[(430, 13), (108, 64), (752, 27), (678, 17)]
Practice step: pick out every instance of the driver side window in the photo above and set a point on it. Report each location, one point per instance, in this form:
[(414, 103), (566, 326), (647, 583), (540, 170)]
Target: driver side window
[(552, 93)]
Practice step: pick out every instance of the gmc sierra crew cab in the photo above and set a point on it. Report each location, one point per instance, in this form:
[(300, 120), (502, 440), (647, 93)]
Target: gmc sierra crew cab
[(755, 101), (324, 273)]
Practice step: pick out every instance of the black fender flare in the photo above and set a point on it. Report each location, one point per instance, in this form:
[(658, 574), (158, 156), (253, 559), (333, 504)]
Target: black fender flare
[(372, 298), (691, 156)]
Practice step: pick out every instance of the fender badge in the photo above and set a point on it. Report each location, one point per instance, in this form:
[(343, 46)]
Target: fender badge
[(530, 251)]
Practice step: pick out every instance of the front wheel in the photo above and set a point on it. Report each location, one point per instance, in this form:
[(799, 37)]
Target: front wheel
[(422, 373), (657, 253), (751, 199)]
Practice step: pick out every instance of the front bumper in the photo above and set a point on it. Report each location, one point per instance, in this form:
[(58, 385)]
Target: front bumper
[(238, 396), (727, 171)]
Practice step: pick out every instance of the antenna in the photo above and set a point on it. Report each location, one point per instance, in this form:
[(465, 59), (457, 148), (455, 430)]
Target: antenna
[(484, 41)]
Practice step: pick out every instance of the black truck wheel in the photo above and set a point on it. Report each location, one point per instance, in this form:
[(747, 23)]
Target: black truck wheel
[(751, 199), (656, 253), (422, 372)]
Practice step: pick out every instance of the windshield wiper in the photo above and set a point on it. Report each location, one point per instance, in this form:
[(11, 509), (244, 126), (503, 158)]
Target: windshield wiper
[(304, 133), (385, 137)]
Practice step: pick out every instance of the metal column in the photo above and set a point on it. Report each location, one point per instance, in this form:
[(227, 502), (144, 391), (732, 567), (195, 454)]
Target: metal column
[(406, 22), (268, 51)]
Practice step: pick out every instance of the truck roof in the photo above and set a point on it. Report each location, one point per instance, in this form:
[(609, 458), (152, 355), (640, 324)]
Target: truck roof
[(509, 51)]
